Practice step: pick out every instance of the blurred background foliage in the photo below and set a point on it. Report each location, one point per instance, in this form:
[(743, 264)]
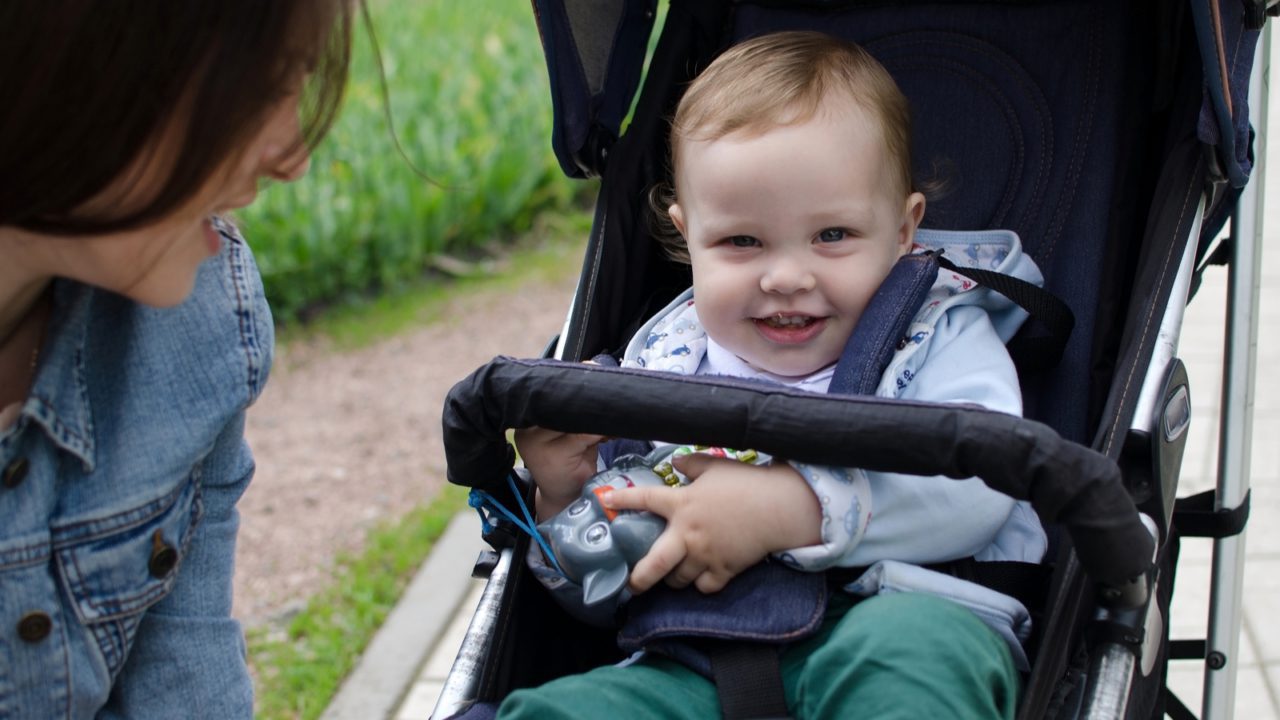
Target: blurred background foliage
[(471, 106)]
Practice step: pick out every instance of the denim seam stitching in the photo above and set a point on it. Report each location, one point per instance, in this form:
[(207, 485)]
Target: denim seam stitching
[(918, 279), (244, 315), (120, 605), (1083, 130), (113, 524), (1150, 315)]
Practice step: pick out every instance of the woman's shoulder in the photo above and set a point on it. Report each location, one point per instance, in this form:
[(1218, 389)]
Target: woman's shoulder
[(229, 303)]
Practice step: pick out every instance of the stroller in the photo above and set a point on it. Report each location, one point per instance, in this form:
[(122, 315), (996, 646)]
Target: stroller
[(1114, 137)]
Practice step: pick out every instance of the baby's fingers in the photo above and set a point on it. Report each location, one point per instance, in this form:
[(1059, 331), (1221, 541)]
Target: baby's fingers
[(667, 553), (694, 464), (685, 574), (659, 500), (712, 581)]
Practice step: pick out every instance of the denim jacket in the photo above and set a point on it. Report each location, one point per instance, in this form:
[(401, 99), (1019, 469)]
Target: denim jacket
[(118, 486)]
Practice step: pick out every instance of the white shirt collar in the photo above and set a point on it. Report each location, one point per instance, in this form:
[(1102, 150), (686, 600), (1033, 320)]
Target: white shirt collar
[(719, 361)]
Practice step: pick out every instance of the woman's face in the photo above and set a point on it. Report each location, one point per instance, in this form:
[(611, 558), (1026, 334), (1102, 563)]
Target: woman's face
[(156, 264)]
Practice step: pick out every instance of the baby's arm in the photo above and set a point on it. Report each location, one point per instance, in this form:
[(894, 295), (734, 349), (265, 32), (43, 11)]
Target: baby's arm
[(732, 517), (927, 519), (560, 463)]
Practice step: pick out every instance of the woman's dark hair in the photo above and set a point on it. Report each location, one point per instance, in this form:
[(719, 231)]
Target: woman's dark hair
[(88, 85)]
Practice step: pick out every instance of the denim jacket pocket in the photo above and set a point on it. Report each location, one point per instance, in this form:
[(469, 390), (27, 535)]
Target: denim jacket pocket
[(115, 567)]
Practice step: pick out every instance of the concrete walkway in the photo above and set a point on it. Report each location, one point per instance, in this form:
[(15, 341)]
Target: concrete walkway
[(402, 672)]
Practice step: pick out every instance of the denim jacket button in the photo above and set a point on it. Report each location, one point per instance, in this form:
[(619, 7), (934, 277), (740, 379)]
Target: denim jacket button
[(163, 557), (34, 627), (15, 473)]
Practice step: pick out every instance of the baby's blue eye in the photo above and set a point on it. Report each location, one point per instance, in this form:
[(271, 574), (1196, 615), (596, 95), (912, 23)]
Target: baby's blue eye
[(742, 241), (832, 235)]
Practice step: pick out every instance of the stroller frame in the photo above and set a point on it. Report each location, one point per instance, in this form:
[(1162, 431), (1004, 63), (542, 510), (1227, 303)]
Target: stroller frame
[(1114, 664), (1239, 378)]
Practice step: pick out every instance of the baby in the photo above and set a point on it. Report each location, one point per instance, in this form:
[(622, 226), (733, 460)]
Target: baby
[(792, 201)]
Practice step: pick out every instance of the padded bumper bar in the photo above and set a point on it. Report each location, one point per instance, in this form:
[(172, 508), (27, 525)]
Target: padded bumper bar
[(1066, 483)]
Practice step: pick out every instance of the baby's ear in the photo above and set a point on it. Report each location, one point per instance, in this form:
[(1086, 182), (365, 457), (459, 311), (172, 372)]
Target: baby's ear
[(912, 214), (677, 218)]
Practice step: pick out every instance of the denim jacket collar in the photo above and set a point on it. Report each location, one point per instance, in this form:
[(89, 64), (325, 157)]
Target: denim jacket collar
[(58, 402)]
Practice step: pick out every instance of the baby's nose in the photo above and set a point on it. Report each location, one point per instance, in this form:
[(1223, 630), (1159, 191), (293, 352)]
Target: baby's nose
[(787, 276)]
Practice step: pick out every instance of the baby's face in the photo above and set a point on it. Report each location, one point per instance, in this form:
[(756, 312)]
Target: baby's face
[(790, 233)]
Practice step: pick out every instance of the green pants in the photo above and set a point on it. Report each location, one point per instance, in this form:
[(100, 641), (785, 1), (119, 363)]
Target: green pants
[(891, 656)]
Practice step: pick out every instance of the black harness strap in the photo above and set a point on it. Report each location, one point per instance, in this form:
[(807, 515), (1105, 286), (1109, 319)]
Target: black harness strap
[(1042, 348), (1195, 516), (1028, 583), (748, 680), (1188, 649), (1175, 708)]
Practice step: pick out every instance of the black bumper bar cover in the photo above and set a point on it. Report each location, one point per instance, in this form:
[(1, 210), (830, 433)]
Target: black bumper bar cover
[(1067, 483)]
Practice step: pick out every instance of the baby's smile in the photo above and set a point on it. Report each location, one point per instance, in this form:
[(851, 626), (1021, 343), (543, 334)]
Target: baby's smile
[(787, 321), (789, 329)]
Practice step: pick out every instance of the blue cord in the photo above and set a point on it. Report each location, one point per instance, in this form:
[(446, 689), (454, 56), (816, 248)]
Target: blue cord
[(481, 501)]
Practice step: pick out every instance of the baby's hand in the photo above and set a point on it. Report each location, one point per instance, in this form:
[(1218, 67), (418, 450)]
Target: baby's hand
[(561, 463), (729, 519)]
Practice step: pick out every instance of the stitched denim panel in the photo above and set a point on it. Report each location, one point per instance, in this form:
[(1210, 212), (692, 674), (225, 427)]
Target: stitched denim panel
[(767, 603)]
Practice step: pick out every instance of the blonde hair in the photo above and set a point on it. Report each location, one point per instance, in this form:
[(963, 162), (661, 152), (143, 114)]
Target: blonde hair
[(782, 79)]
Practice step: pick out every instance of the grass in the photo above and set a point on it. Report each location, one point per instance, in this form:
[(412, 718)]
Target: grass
[(551, 250), (299, 667), (471, 105)]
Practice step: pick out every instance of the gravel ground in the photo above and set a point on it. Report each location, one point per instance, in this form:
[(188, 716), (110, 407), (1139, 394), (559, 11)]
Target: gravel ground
[(347, 439)]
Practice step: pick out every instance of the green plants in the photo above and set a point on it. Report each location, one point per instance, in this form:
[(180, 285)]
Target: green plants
[(550, 250), (468, 94)]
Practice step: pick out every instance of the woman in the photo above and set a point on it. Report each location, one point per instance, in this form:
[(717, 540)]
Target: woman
[(134, 333)]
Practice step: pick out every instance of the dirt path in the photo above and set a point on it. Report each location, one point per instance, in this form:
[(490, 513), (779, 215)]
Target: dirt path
[(344, 440)]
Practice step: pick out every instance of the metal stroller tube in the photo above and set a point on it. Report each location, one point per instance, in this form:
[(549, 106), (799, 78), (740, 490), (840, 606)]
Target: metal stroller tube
[(464, 677), (1112, 667), (1065, 482)]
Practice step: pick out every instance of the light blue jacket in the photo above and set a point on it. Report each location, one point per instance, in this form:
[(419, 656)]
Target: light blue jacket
[(120, 481)]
